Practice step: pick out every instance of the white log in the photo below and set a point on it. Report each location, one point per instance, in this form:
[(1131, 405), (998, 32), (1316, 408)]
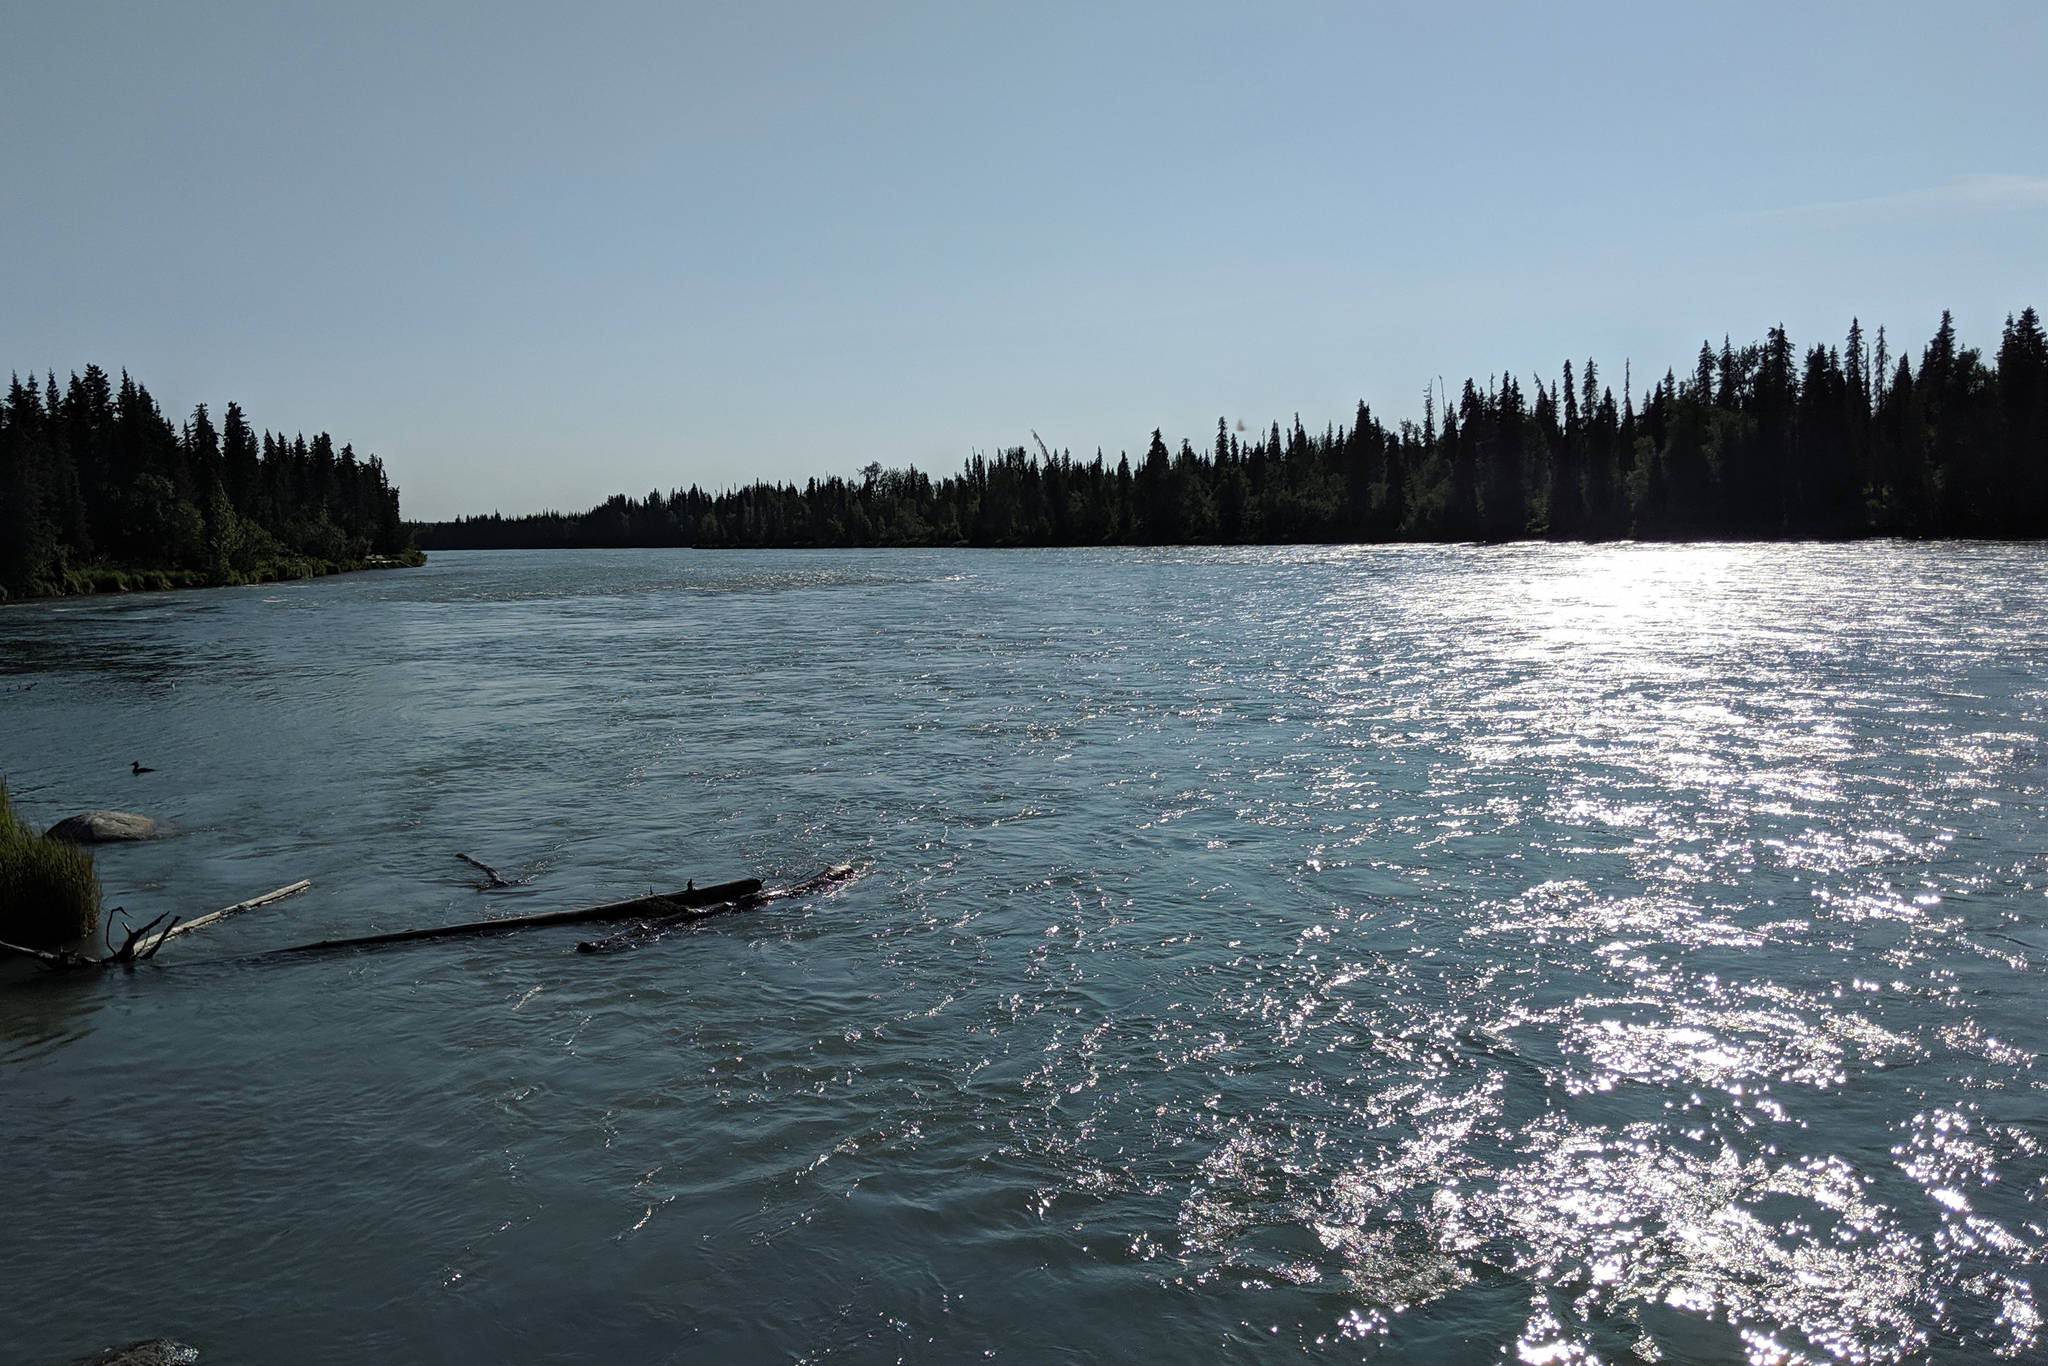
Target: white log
[(198, 922)]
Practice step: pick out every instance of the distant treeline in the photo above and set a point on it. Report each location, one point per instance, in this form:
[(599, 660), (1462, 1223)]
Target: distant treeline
[(98, 490), (1755, 441)]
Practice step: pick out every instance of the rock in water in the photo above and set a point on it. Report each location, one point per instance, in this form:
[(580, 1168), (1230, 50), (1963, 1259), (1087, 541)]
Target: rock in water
[(103, 827), (154, 1352)]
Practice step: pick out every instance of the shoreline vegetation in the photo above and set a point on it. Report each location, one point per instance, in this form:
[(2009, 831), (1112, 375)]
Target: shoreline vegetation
[(1757, 442), (49, 892), (100, 493)]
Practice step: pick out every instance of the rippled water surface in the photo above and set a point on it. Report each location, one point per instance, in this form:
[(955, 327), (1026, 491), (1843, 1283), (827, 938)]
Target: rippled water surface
[(1412, 955)]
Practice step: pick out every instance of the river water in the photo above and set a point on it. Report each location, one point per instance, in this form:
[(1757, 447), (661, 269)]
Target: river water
[(1401, 955)]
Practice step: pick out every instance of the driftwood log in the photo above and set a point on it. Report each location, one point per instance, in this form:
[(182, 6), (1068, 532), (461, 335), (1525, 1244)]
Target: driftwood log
[(648, 928), (649, 916), (154, 1352), (141, 944), (691, 898), (201, 922)]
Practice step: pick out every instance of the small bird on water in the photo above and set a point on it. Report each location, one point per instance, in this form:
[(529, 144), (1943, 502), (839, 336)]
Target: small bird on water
[(136, 764)]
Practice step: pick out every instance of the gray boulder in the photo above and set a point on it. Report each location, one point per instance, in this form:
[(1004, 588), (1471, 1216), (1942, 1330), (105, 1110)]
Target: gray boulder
[(103, 827)]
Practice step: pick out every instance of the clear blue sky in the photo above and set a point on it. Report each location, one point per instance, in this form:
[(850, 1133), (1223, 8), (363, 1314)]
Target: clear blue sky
[(536, 254)]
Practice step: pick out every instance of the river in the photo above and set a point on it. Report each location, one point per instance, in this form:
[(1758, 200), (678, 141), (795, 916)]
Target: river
[(1424, 954)]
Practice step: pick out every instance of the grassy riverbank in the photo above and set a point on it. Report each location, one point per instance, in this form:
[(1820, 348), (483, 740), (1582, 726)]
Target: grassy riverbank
[(49, 893)]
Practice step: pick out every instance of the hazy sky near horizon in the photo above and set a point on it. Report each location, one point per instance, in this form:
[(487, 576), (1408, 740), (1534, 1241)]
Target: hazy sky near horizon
[(536, 254)]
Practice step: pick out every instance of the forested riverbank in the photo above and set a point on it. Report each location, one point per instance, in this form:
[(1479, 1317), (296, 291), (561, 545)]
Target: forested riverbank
[(100, 492), (1755, 442)]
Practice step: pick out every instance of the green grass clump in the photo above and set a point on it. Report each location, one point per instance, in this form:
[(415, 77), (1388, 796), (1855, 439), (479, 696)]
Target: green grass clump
[(49, 893)]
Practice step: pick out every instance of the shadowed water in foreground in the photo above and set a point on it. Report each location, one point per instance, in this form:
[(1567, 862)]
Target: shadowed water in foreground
[(1401, 954)]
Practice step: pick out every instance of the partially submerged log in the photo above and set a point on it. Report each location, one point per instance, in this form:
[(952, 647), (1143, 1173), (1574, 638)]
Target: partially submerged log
[(741, 891), (153, 1352), (651, 917), (649, 929), (201, 922)]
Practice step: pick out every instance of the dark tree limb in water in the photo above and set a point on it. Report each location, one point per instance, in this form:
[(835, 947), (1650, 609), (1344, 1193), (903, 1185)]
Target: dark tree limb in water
[(135, 947), (648, 930), (151, 1352), (493, 878), (59, 959), (656, 905), (655, 913)]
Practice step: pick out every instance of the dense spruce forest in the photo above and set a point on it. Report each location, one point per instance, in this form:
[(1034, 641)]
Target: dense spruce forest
[(99, 491), (1755, 441)]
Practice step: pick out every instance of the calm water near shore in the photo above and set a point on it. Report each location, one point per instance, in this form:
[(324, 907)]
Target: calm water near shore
[(1420, 954)]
